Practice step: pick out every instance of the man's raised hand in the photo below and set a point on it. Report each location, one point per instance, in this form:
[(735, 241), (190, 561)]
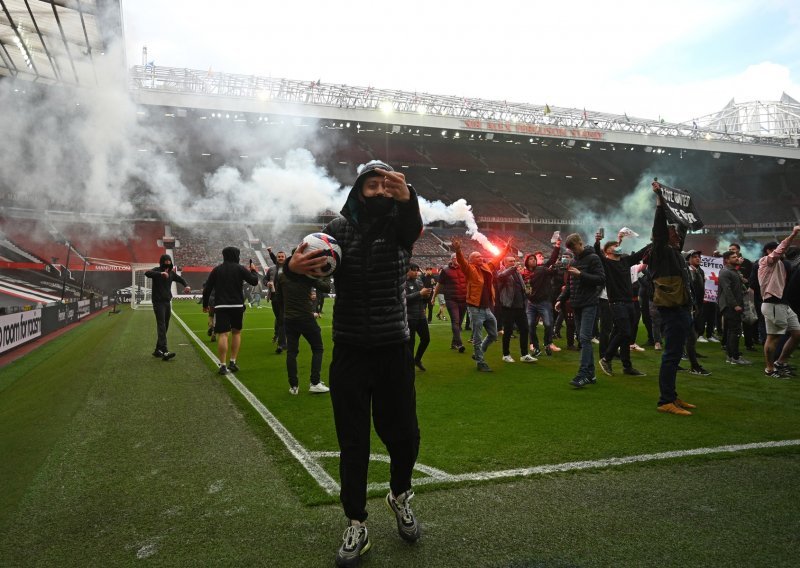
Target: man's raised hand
[(395, 185)]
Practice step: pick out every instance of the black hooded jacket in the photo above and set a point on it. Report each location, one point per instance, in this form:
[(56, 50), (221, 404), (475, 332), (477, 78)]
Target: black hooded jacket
[(370, 308), (226, 281), (162, 287)]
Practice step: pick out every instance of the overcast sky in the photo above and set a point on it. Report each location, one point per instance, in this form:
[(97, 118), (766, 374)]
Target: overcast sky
[(677, 60)]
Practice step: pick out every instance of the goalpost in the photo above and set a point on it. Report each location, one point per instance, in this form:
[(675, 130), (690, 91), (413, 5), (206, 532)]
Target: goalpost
[(141, 285)]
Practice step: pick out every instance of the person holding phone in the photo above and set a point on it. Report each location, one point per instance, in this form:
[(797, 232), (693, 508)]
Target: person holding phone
[(163, 276)]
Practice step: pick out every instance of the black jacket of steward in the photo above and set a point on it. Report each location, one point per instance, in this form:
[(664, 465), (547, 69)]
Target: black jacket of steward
[(226, 282), (162, 287), (370, 308)]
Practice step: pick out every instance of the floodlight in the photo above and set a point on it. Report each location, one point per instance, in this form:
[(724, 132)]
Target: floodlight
[(422, 109), (386, 106), (781, 161)]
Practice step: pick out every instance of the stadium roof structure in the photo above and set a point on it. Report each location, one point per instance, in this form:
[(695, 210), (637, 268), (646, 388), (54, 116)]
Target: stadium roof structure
[(776, 119), (56, 41), (189, 88)]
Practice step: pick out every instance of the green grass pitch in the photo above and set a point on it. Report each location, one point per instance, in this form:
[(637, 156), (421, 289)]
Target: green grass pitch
[(112, 457)]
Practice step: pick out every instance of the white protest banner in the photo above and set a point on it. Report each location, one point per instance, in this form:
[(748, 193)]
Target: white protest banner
[(711, 265)]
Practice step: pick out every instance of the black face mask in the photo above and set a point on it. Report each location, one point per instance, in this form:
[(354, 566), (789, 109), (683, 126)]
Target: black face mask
[(166, 267), (378, 206)]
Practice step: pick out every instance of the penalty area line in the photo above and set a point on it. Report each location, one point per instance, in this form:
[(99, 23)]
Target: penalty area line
[(592, 464), (300, 453)]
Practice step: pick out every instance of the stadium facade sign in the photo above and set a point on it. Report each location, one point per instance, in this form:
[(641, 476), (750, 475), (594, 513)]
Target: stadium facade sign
[(532, 129)]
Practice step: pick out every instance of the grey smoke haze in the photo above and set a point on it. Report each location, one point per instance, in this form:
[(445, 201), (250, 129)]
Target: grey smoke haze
[(95, 151), (635, 211)]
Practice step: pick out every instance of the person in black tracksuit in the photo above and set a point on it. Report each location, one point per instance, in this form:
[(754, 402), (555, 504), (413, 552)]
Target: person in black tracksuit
[(225, 282), (417, 295), (163, 276), (372, 367), (620, 300), (299, 320)]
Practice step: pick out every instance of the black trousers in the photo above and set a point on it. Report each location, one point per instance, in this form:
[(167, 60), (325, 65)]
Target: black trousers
[(510, 317), (710, 313), (377, 381), (419, 327), (309, 329), (733, 329), (620, 340), (163, 311), (605, 320), (456, 311), (280, 331)]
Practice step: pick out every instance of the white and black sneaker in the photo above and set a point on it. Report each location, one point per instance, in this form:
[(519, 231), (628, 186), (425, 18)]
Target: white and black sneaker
[(318, 388), (776, 374), (407, 525), (355, 544)]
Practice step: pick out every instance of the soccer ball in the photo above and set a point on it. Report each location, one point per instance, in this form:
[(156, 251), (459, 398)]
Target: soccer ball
[(330, 250)]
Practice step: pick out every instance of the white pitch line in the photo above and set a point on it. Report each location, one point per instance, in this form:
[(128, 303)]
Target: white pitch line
[(609, 462), (438, 474), (301, 454)]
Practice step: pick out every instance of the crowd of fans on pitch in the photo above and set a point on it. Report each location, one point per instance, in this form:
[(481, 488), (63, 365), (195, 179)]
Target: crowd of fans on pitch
[(531, 305)]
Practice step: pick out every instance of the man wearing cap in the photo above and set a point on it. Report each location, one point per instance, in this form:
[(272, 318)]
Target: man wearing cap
[(779, 317), (372, 368)]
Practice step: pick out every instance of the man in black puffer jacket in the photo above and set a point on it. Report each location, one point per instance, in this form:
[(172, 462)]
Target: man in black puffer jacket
[(372, 368)]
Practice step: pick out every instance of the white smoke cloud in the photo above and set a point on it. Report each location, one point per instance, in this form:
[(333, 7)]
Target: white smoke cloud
[(457, 212)]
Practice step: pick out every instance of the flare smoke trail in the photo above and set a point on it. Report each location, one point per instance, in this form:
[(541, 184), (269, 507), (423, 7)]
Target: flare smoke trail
[(458, 211)]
